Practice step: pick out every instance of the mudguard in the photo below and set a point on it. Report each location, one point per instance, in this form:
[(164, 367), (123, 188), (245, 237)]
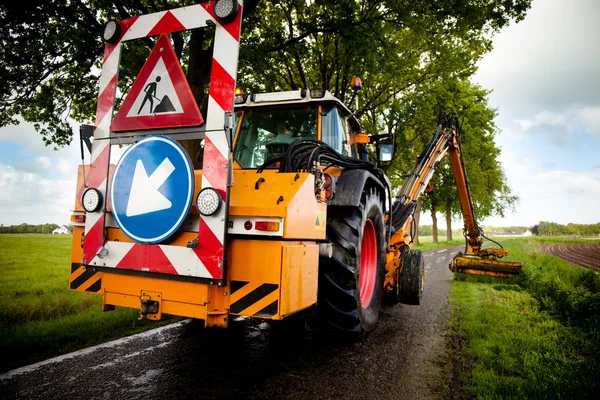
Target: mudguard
[(350, 185)]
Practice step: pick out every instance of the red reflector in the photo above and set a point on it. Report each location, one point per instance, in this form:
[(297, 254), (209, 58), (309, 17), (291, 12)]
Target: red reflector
[(266, 226), (328, 194), (248, 225), (327, 180), (78, 218)]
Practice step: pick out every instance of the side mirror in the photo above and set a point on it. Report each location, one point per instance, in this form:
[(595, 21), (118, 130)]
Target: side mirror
[(386, 148)]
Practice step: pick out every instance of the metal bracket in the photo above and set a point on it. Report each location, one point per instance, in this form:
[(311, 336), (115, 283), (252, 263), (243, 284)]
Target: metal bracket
[(229, 124)]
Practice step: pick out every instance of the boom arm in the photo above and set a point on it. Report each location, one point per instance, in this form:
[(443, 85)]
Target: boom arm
[(445, 141), (472, 230), (417, 182)]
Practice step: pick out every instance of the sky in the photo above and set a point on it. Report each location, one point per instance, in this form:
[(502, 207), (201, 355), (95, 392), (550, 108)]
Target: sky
[(544, 73)]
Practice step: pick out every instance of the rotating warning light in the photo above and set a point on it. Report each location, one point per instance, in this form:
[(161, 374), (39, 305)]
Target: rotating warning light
[(240, 96), (91, 200), (111, 32), (208, 201), (226, 9), (356, 83)]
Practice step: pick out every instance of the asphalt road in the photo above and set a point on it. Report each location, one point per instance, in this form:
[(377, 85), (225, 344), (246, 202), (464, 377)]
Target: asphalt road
[(401, 359)]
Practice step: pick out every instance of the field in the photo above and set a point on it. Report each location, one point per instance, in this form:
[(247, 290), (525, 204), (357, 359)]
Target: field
[(586, 255), (39, 316), (534, 336)]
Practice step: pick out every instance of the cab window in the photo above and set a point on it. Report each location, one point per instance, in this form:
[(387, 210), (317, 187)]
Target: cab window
[(265, 133), (333, 131)]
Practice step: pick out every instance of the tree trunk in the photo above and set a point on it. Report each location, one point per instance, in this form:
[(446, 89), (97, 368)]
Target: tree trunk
[(434, 228), (449, 220), (417, 217)]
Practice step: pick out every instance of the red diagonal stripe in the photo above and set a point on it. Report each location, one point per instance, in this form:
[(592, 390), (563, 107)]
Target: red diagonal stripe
[(98, 172), (106, 100), (214, 167), (93, 240), (125, 25), (210, 250), (168, 23), (147, 257), (233, 27), (222, 86)]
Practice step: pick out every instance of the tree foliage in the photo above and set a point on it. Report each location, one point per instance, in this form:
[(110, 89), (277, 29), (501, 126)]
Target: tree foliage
[(414, 57), (488, 187), (26, 228), (545, 228), (50, 50)]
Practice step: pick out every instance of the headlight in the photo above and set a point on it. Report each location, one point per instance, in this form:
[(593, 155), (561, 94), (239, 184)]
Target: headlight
[(111, 31), (91, 200), (226, 9), (208, 201)]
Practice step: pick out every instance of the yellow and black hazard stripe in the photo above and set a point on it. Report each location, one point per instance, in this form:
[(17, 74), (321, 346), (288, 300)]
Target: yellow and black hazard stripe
[(254, 299), (85, 279)]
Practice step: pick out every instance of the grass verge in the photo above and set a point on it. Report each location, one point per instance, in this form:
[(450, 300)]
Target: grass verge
[(534, 336), (426, 243), (39, 316)]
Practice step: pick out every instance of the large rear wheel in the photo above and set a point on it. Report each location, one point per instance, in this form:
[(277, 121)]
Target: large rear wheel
[(351, 281)]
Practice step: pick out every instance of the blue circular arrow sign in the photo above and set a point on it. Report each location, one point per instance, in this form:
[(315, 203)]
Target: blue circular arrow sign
[(152, 189)]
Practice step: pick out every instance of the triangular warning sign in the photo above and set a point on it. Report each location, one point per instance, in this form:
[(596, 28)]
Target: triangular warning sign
[(160, 96)]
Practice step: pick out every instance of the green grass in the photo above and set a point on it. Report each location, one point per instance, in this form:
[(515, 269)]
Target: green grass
[(426, 243), (534, 336), (39, 316)]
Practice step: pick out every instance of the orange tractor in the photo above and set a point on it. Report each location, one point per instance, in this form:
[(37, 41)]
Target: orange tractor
[(287, 213)]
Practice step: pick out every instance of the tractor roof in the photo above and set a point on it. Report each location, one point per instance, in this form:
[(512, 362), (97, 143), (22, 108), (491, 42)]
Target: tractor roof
[(294, 97)]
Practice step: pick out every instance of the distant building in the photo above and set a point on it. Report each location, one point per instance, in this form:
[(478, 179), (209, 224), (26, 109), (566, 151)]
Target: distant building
[(527, 233), (61, 231)]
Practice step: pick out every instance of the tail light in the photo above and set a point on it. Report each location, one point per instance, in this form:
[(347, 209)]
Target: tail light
[(327, 186), (78, 219), (266, 226)]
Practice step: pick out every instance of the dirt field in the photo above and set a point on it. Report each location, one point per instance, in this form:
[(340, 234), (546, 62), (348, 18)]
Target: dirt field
[(579, 254)]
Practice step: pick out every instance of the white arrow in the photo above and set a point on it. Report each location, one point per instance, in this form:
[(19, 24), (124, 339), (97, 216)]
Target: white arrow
[(144, 196)]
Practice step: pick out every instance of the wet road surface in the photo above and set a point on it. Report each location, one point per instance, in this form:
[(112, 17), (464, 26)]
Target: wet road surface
[(401, 359)]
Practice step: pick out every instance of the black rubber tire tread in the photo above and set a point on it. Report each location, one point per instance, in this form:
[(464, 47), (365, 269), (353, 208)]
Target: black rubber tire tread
[(339, 294), (411, 277)]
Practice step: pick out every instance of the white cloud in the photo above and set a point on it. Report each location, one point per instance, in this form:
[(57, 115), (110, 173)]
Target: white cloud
[(66, 167), (556, 195), (589, 117), (43, 163), (25, 135), (558, 126), (548, 61), (28, 197)]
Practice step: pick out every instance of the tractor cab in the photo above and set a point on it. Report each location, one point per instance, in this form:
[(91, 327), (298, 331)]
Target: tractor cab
[(267, 123)]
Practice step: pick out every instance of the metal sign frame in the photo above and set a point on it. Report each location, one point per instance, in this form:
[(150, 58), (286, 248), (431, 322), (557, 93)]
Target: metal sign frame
[(217, 152)]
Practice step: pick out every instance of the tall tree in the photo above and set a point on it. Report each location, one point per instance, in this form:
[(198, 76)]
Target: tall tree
[(489, 190)]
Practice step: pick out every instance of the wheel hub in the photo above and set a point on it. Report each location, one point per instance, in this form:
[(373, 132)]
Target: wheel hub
[(368, 264)]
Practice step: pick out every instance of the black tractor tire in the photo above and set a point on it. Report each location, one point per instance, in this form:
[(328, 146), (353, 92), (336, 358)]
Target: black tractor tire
[(412, 278), (351, 281)]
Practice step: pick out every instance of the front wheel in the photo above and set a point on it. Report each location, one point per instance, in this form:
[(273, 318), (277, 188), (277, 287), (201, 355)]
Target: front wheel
[(351, 281), (412, 277)]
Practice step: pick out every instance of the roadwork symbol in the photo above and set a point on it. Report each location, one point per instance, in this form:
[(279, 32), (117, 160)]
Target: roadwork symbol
[(160, 96), (164, 105)]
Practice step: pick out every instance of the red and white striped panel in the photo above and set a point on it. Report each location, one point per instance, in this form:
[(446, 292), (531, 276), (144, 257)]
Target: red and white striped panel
[(211, 236)]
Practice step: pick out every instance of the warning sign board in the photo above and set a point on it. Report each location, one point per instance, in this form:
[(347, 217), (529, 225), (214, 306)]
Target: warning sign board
[(160, 96)]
